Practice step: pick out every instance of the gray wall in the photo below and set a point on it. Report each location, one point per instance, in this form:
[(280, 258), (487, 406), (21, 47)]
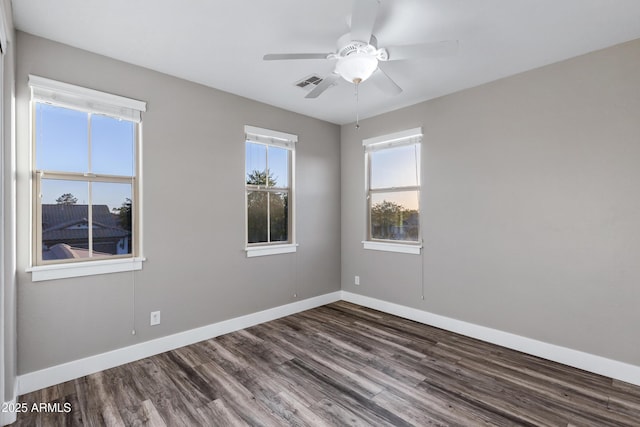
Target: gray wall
[(196, 272), (531, 208)]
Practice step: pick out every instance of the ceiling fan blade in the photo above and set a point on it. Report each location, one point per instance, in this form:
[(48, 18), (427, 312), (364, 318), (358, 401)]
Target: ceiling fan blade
[(284, 56), (385, 83), (363, 18), (325, 84), (423, 50)]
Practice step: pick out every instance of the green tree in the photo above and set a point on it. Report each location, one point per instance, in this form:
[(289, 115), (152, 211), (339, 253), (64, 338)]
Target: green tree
[(66, 199), (391, 221), (257, 177), (124, 214), (259, 222), (384, 216)]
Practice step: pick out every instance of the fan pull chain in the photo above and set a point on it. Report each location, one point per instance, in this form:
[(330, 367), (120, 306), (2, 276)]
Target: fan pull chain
[(357, 83)]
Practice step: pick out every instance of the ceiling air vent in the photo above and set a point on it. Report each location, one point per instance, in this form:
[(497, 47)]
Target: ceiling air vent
[(311, 80)]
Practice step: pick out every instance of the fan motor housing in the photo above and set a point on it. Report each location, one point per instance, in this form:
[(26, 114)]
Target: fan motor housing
[(346, 46)]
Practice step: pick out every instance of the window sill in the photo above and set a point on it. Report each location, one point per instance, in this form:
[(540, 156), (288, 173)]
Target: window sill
[(254, 251), (89, 268), (403, 248)]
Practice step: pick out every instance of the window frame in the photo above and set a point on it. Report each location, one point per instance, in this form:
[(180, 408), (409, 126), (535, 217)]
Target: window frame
[(46, 91), (271, 138), (375, 144)]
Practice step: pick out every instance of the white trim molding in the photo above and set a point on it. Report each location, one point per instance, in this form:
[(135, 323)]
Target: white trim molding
[(270, 137), (380, 188), (402, 248), (409, 136), (577, 359), (37, 380), (254, 251), (8, 417), (89, 100), (80, 269)]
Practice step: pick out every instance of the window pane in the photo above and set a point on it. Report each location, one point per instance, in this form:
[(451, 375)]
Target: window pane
[(112, 145), (394, 216), (111, 218), (61, 139), (395, 167), (65, 227), (279, 216), (278, 167), (257, 216), (256, 164)]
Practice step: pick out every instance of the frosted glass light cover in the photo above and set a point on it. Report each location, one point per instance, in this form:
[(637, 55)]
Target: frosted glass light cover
[(356, 68)]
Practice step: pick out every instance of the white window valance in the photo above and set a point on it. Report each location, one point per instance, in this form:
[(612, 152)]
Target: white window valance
[(396, 139), (270, 137), (83, 99)]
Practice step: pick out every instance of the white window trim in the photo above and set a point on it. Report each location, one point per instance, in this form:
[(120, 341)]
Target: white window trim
[(254, 251), (283, 140), (403, 248), (93, 101), (270, 137), (87, 100), (89, 268), (396, 139), (5, 418)]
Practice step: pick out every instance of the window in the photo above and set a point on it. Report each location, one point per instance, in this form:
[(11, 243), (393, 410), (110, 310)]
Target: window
[(85, 177), (393, 192), (269, 160)]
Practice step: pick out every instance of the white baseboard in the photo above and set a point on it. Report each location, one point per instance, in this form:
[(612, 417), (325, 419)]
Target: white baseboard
[(37, 380), (577, 359), (7, 418)]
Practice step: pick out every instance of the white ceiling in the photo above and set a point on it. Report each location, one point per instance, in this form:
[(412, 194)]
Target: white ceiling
[(220, 43)]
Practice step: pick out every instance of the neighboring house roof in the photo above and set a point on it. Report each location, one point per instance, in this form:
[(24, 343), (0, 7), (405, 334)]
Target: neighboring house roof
[(69, 222), (64, 251), (98, 233)]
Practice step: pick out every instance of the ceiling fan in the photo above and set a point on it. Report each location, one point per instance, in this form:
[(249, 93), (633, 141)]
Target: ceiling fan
[(358, 55)]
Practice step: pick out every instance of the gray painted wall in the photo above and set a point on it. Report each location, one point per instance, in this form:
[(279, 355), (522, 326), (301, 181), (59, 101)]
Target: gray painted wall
[(531, 208), (193, 162)]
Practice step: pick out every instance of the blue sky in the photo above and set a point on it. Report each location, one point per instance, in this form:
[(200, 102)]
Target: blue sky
[(396, 167), (62, 145), (256, 159)]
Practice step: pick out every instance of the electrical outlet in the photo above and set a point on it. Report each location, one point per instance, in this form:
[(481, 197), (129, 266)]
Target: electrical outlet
[(357, 280), (155, 318)]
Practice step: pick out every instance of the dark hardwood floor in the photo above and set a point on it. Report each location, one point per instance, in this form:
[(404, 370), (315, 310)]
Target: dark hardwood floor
[(340, 364)]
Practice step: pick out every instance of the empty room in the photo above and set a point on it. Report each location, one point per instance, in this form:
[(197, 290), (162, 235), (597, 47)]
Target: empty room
[(341, 212)]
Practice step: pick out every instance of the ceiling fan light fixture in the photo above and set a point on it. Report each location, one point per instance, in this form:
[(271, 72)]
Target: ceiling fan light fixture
[(357, 67)]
